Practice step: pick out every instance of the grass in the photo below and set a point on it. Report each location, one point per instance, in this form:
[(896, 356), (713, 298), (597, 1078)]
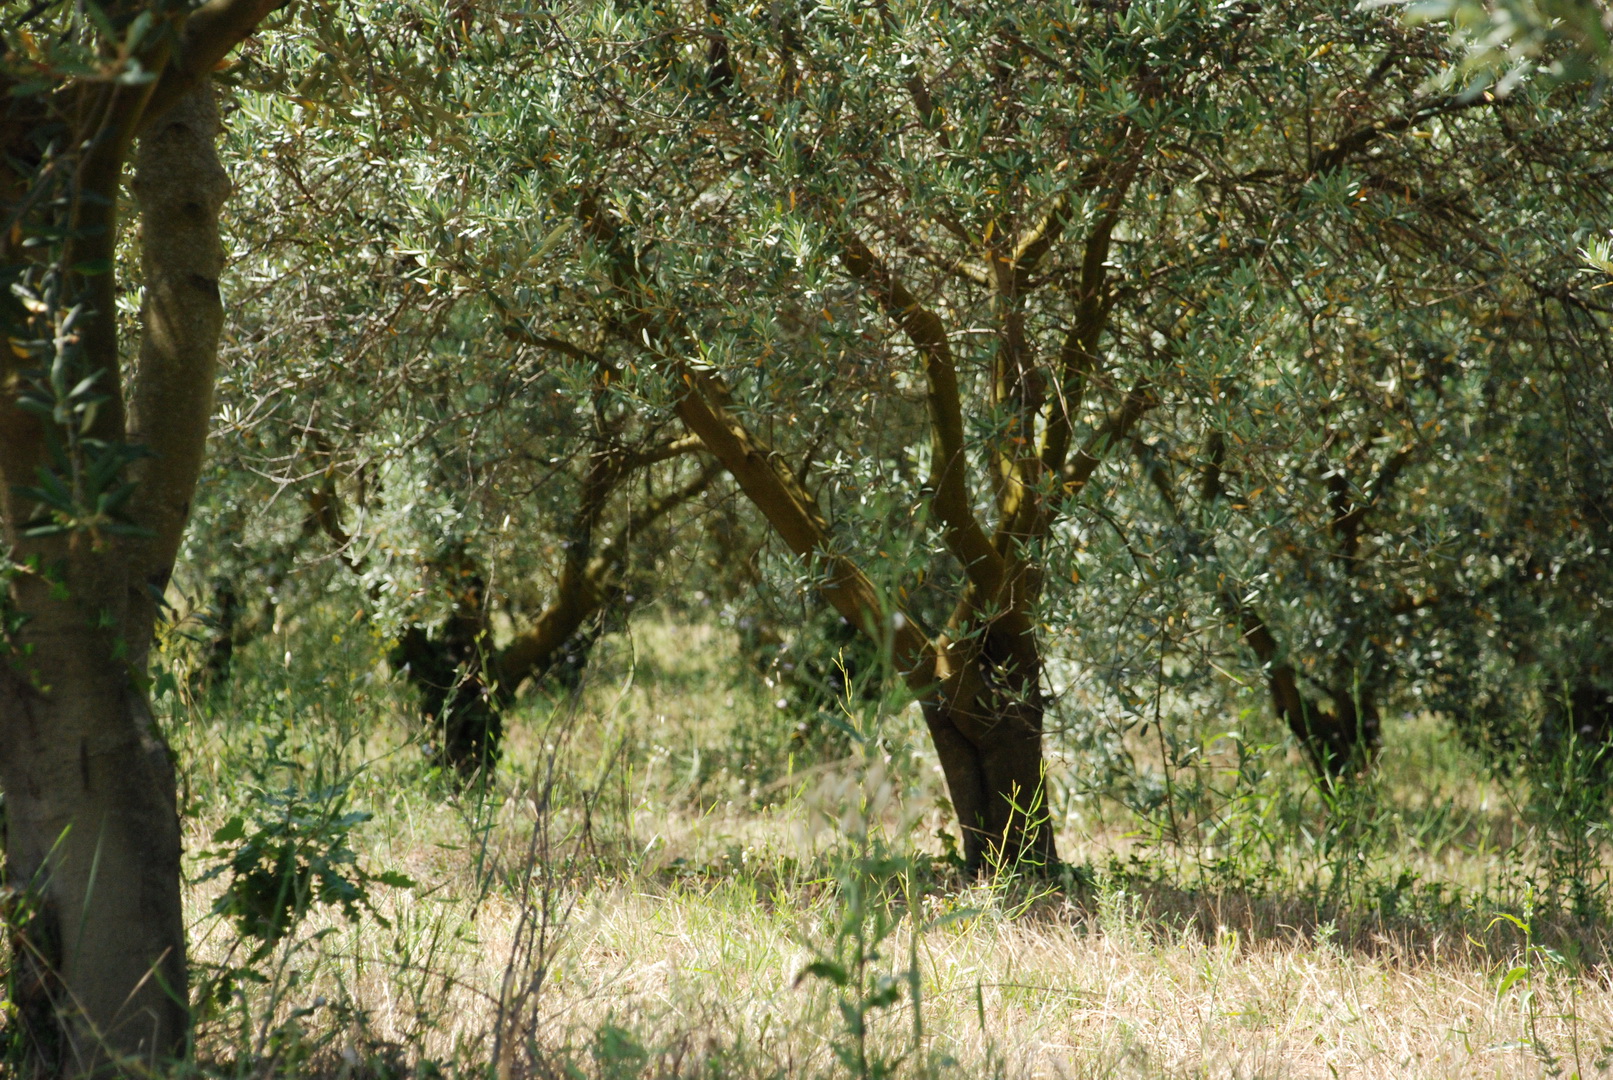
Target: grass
[(664, 881)]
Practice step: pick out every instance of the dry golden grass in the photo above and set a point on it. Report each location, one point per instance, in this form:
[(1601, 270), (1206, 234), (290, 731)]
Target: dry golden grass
[(679, 925), (1061, 989)]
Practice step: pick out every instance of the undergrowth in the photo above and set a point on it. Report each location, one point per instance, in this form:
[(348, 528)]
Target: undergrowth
[(661, 881)]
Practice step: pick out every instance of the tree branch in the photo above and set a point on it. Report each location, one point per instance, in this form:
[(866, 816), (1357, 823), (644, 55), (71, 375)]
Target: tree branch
[(949, 466), (209, 34)]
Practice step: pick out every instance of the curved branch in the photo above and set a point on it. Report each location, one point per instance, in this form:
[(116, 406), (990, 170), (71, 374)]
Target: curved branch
[(585, 585), (985, 565)]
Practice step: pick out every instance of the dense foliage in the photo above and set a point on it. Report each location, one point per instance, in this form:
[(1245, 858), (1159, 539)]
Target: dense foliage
[(1303, 321)]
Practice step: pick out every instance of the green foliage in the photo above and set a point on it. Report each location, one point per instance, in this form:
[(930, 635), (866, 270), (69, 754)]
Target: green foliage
[(1348, 282), (1508, 40), (1351, 294), (289, 854), (1598, 255), (1347, 296), (870, 879)]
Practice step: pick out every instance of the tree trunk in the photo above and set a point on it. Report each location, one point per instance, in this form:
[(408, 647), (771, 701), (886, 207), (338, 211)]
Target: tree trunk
[(995, 708), (181, 188), (1341, 741), (995, 773), (590, 581), (451, 671), (1338, 742), (92, 829), (981, 702), (984, 715), (533, 652), (1576, 731), (92, 832)]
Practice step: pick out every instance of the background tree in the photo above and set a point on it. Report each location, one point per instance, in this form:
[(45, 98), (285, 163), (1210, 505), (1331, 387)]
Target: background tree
[(489, 515), (944, 271)]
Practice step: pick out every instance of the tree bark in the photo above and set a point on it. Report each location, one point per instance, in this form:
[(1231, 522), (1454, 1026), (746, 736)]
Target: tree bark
[(996, 709), (92, 826), (181, 188), (451, 672), (92, 830)]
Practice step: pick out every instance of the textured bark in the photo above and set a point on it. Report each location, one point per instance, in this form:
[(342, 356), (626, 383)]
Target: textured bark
[(92, 829), (181, 188)]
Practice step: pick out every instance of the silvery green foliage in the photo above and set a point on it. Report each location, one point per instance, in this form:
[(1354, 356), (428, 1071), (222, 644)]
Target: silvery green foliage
[(1503, 42), (1378, 372)]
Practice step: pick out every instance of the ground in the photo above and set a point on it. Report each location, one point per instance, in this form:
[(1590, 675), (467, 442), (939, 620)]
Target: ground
[(667, 879)]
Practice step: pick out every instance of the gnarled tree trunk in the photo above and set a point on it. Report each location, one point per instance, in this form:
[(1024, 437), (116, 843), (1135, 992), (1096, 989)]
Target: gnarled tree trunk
[(977, 678), (987, 737), (992, 713)]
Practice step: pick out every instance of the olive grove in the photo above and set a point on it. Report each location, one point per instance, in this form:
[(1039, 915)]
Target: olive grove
[(1109, 367)]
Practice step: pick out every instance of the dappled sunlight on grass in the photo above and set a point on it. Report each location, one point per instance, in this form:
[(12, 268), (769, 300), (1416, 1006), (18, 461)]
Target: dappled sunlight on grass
[(606, 908)]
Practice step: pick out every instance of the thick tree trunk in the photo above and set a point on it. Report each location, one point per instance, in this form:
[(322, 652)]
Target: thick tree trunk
[(181, 188), (92, 829), (997, 778), (92, 832), (995, 709)]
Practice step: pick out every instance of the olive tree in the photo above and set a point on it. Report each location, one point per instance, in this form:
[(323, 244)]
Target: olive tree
[(923, 277), (99, 457)]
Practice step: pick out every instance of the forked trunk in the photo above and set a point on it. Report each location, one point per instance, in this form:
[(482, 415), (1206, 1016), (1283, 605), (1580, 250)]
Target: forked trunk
[(997, 778), (985, 719), (984, 712), (92, 835)]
